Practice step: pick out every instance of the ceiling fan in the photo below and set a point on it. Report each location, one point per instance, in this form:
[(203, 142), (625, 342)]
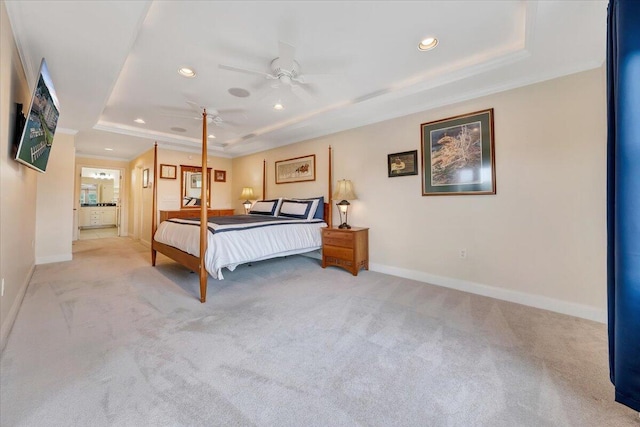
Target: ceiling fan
[(213, 115), (285, 70)]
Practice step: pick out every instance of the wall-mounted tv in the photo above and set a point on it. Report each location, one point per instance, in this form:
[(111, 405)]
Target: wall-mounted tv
[(34, 146)]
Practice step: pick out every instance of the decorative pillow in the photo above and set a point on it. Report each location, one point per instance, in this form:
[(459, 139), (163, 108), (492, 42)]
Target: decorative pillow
[(301, 209), (319, 212), (266, 207)]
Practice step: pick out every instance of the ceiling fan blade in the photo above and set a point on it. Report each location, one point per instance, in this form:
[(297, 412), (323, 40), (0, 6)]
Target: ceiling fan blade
[(196, 107), (286, 56), (226, 111), (245, 70), (302, 93)]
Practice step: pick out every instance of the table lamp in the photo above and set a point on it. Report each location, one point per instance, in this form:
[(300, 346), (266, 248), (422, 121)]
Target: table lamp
[(247, 194), (345, 192)]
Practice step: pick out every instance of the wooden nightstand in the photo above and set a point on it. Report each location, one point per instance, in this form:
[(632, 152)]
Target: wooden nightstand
[(347, 248)]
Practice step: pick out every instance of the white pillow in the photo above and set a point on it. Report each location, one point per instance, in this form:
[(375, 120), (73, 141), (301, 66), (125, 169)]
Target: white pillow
[(266, 207), (301, 209)]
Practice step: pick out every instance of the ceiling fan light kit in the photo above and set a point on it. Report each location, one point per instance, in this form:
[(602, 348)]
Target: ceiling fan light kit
[(187, 72), (427, 44)]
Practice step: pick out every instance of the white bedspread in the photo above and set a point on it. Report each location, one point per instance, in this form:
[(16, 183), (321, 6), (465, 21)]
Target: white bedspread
[(232, 248)]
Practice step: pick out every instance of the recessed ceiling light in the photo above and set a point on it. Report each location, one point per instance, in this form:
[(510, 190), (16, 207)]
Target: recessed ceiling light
[(178, 129), (212, 136), (138, 120), (109, 149), (187, 72), (428, 43), (239, 92), (278, 106)]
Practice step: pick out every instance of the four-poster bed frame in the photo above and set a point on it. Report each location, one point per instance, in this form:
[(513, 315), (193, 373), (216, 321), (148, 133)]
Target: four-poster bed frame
[(198, 263)]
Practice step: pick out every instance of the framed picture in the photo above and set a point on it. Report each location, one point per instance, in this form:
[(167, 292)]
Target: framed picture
[(220, 176), (402, 164), (168, 171), (458, 155), (196, 180), (296, 170), (145, 178)]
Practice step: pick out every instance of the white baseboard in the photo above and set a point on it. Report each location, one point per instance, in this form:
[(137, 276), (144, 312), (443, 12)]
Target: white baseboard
[(531, 300), (13, 311), (53, 258)]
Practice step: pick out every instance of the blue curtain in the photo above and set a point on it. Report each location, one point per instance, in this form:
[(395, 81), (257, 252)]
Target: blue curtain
[(623, 199)]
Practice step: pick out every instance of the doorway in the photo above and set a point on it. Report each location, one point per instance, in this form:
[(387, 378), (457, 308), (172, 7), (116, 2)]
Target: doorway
[(99, 203)]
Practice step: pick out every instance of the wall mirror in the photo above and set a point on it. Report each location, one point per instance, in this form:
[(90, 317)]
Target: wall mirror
[(191, 186)]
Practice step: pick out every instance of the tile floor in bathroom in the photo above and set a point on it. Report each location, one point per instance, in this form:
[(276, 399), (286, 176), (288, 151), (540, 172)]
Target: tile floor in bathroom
[(98, 233)]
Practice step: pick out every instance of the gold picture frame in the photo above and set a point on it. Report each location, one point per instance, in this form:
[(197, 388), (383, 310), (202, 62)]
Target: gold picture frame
[(145, 178), (297, 169)]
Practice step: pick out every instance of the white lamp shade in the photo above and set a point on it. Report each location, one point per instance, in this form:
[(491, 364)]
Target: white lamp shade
[(247, 194), (344, 191)]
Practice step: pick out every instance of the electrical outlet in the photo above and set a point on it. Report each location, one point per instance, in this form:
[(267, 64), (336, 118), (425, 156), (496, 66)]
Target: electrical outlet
[(462, 253), (2, 289)]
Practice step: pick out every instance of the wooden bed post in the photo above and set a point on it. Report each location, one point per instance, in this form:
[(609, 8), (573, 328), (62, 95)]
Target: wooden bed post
[(153, 204), (330, 219), (264, 180), (203, 210)]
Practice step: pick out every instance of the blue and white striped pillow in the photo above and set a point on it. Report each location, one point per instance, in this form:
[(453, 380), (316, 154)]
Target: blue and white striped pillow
[(320, 208), (266, 207), (300, 209)]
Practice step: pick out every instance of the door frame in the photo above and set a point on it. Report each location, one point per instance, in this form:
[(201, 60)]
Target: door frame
[(122, 210)]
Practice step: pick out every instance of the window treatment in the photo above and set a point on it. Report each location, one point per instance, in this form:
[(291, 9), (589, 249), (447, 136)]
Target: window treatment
[(623, 199)]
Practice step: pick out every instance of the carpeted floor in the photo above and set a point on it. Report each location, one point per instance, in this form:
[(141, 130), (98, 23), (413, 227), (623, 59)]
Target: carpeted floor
[(106, 339)]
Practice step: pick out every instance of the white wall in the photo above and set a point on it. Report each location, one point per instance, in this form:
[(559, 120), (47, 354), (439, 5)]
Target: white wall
[(17, 186), (54, 203), (541, 240)]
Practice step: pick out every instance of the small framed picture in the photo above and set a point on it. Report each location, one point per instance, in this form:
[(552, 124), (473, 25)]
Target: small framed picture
[(220, 176), (145, 178), (168, 171), (402, 164)]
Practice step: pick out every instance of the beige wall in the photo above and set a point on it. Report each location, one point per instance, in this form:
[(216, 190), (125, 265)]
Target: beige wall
[(539, 241), (17, 186), (169, 189), (54, 203), (140, 201)]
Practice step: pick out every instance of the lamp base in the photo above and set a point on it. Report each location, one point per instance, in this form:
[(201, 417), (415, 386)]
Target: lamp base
[(344, 225)]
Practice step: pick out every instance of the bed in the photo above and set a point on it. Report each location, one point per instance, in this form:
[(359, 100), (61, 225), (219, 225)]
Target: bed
[(273, 228), (240, 239)]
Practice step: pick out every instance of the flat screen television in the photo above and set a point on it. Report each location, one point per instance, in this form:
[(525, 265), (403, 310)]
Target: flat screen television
[(34, 145)]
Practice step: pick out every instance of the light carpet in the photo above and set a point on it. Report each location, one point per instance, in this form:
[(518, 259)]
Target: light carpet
[(106, 339)]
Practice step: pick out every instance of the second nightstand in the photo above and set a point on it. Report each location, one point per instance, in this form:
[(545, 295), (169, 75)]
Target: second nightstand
[(346, 247)]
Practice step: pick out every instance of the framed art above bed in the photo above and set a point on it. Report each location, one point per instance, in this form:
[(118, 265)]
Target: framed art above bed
[(297, 169)]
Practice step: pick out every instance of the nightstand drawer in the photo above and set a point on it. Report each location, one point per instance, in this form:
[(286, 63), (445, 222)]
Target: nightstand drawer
[(337, 252), (337, 239)]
